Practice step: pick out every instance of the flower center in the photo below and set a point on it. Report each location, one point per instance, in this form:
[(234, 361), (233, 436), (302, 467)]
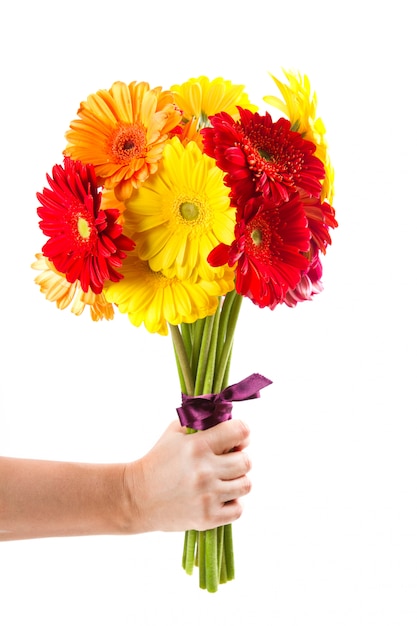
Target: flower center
[(272, 151), (259, 239), (83, 228), (189, 211), (127, 143), (203, 120), (257, 236), (265, 155)]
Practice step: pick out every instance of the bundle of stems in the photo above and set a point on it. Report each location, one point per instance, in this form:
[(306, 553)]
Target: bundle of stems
[(203, 352)]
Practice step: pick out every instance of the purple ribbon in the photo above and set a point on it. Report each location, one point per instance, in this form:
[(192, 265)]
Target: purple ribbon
[(202, 412)]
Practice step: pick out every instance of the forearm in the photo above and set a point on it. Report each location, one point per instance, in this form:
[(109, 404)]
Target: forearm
[(51, 499), (183, 482)]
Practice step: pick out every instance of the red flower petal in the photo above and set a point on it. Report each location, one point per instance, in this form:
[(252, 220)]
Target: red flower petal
[(85, 243), (260, 156)]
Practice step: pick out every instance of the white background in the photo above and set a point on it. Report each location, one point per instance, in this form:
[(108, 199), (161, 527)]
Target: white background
[(329, 532)]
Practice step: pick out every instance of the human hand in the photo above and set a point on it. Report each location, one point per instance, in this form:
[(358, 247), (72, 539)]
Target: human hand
[(190, 481)]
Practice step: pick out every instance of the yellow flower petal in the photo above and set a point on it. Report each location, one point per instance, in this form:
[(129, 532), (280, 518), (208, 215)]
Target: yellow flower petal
[(182, 213), (299, 105), (155, 300), (200, 97), (56, 288)]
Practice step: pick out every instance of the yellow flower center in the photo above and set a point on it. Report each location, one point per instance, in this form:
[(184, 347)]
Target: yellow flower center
[(83, 228), (189, 211), (127, 142), (256, 237)]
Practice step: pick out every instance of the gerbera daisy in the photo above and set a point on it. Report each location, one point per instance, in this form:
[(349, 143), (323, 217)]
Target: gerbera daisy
[(260, 156), (56, 288), (310, 283), (182, 213), (85, 243), (155, 300), (270, 249), (110, 201), (200, 98), (299, 104), (122, 132), (321, 217)]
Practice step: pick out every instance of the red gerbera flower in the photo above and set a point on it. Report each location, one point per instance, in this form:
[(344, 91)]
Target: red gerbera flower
[(321, 217), (260, 156), (310, 282), (269, 249), (86, 243)]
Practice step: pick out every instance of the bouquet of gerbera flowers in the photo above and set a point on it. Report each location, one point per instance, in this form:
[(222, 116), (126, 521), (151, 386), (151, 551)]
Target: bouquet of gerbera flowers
[(173, 205)]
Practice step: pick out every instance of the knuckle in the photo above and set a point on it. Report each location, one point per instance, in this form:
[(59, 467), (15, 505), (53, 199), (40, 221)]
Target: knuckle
[(247, 463), (246, 485), (202, 478), (207, 516), (243, 430), (198, 447), (237, 511)]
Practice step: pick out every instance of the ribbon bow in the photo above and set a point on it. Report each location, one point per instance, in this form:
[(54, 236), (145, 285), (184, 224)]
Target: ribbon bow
[(202, 412)]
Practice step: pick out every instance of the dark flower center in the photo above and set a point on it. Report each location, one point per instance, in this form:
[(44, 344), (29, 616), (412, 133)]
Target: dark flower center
[(127, 143), (265, 155)]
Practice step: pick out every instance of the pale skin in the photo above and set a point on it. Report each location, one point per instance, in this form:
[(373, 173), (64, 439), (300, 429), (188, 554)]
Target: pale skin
[(184, 482)]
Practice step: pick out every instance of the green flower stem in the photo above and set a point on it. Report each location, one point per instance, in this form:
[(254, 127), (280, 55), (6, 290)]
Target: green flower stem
[(223, 362), (212, 571), (226, 371), (209, 366), (180, 375), (197, 330), (202, 559), (224, 319), (184, 369), (220, 544), (203, 356), (188, 561), (223, 570), (185, 330), (228, 551)]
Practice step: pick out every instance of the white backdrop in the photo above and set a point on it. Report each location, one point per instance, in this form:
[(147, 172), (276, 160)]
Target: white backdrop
[(329, 532)]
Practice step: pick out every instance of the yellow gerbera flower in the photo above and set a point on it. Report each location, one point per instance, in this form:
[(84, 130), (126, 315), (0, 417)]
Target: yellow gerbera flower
[(299, 105), (57, 289), (182, 213), (198, 98), (155, 300), (201, 97), (122, 132)]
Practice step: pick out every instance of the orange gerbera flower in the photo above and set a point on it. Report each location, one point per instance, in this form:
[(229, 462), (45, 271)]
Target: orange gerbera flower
[(56, 288), (122, 132)]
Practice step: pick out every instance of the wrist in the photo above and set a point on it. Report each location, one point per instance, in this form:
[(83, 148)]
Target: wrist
[(134, 499)]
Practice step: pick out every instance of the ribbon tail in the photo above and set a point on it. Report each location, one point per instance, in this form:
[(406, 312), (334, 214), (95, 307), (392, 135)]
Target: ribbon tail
[(202, 412), (246, 389)]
